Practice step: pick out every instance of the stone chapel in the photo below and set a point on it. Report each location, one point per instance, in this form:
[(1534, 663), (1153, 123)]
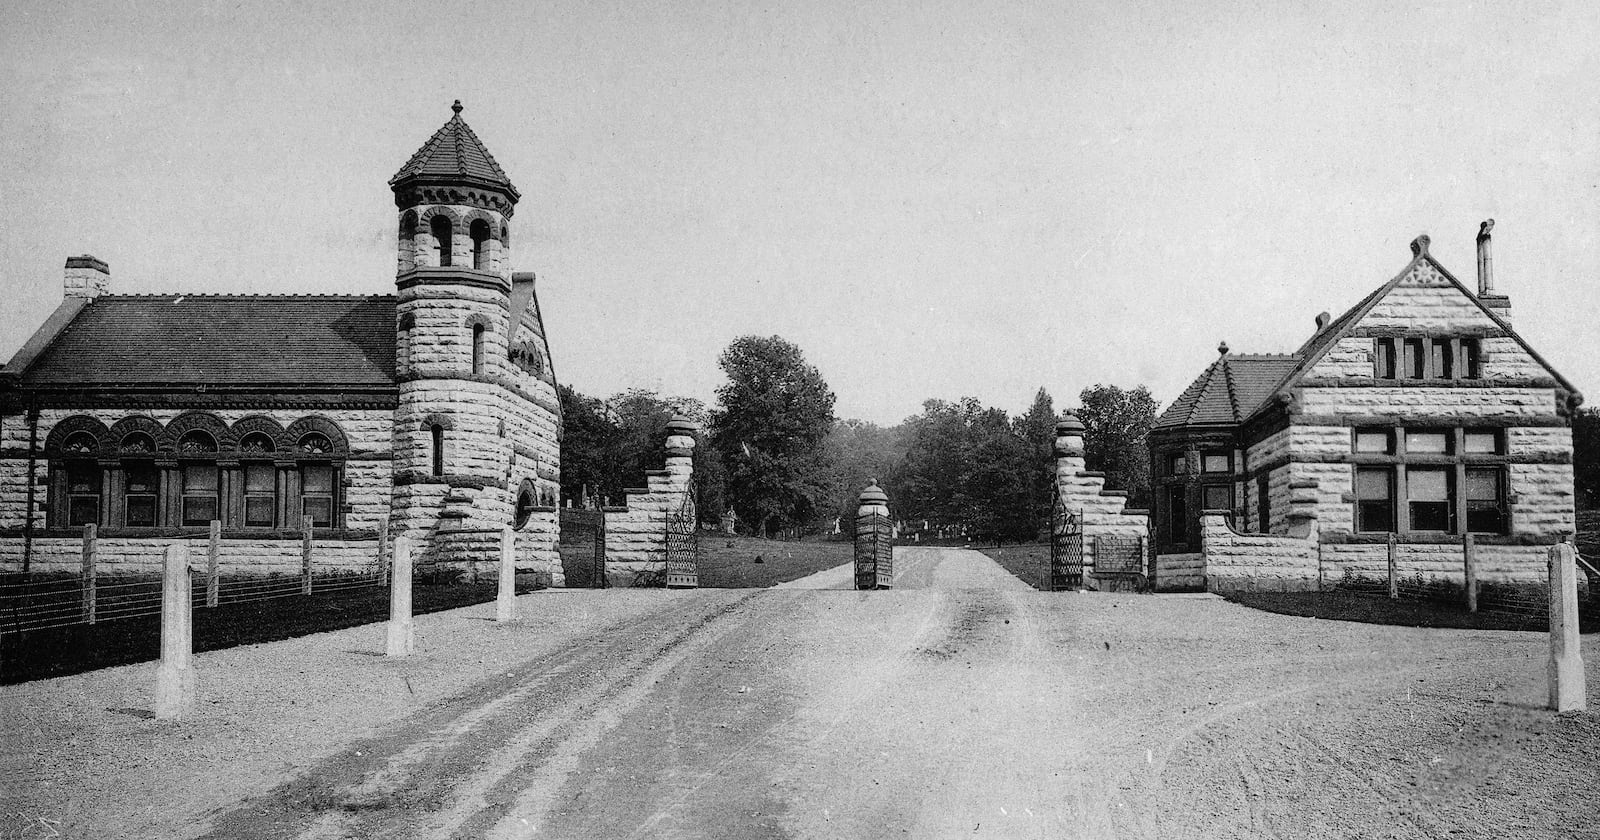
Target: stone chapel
[(430, 413)]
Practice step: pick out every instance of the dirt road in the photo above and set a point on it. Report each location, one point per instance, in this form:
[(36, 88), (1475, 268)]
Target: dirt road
[(960, 704)]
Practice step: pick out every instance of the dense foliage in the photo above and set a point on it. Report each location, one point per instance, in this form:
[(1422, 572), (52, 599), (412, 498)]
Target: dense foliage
[(1116, 425), (773, 419)]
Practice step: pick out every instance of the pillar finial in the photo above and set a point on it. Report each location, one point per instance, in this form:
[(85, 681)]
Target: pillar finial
[(456, 106)]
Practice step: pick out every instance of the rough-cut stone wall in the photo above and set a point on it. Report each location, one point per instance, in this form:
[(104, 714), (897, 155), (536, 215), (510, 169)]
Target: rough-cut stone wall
[(367, 471), (1178, 572), (1256, 562), (1083, 492), (636, 533), (144, 556)]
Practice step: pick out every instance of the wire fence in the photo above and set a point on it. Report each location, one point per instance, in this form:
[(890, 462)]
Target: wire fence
[(1526, 603), (46, 600)]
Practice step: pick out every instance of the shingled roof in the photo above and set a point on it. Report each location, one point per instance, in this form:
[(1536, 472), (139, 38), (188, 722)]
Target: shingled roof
[(1228, 391), (232, 340), (455, 155)]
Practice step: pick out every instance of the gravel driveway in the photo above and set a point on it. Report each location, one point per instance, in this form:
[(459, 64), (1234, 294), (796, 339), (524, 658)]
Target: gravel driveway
[(960, 704)]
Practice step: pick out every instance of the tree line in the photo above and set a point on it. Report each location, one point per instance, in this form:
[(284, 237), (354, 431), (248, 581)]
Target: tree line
[(772, 451)]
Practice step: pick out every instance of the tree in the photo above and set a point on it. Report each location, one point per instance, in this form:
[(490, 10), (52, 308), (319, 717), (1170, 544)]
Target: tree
[(859, 452), (1116, 426), (774, 416), (589, 448), (606, 446), (1037, 428)]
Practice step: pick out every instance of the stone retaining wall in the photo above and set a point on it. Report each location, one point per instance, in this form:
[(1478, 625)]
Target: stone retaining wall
[(1256, 562)]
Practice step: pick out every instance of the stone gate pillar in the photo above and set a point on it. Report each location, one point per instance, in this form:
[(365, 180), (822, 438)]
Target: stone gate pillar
[(874, 540)]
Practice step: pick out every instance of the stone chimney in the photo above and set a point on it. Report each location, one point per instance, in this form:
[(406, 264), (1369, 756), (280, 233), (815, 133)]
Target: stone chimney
[(1500, 304), (86, 277)]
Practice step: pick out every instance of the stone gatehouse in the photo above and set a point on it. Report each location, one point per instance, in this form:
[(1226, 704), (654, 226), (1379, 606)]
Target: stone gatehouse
[(1416, 418), (432, 411)]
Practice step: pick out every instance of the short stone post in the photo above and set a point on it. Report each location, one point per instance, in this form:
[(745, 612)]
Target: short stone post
[(1567, 688), (90, 551), (400, 638), (874, 540), (305, 556), (213, 563), (1394, 579), (1469, 560), (175, 673), (505, 605)]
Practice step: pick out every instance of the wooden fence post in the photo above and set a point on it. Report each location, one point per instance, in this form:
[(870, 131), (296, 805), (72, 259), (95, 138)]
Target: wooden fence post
[(400, 638), (213, 563), (1567, 689), (90, 550), (1394, 581), (505, 605), (1469, 557), (383, 550), (175, 673), (305, 556)]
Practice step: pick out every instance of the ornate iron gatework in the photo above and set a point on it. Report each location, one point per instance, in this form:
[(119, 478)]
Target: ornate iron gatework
[(683, 542), (1119, 563), (1066, 546)]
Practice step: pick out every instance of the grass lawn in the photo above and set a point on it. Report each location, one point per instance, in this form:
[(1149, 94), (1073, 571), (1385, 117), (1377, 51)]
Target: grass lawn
[(1027, 561), (1378, 609), (57, 652), (731, 562)]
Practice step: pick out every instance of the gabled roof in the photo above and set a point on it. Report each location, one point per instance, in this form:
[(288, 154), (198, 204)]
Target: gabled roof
[(1228, 391), (455, 155), (220, 340), (1318, 345)]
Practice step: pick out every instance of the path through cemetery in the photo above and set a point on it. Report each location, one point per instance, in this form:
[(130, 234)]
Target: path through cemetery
[(960, 704)]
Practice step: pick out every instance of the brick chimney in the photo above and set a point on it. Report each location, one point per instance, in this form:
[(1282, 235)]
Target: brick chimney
[(86, 277), (1498, 303)]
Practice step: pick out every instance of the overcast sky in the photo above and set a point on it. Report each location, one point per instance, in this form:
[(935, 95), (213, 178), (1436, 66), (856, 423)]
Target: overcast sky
[(930, 199)]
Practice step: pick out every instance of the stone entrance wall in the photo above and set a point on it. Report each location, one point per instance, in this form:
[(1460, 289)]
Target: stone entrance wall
[(1083, 492)]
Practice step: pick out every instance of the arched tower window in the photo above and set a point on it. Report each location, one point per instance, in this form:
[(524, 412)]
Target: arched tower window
[(408, 241), (480, 245), (443, 238), (478, 340), (438, 449)]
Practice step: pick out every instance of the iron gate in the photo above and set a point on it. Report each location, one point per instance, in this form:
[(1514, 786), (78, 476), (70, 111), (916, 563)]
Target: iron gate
[(1119, 563), (1066, 547), (583, 547), (683, 542)]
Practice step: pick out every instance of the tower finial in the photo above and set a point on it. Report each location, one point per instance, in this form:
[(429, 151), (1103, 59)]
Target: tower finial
[(456, 107), (1222, 348)]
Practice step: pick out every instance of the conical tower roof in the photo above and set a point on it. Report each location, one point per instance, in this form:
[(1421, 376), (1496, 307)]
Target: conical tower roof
[(454, 156)]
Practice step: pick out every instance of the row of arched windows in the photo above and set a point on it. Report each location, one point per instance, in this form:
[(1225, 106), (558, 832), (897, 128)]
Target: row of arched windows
[(440, 246), (525, 355), (195, 469)]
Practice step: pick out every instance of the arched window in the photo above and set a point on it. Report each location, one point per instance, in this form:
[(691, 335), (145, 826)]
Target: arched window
[(200, 480), (525, 505), (317, 488), (438, 449), (478, 332), (408, 241), (83, 492), (140, 481), (480, 245), (443, 238), (260, 480)]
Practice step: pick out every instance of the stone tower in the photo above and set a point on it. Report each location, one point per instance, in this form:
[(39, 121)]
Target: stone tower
[(468, 401)]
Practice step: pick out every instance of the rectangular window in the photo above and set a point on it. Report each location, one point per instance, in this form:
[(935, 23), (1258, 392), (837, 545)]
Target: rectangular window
[(1470, 364), (1416, 359), (260, 495), (1178, 515), (1218, 497), (1377, 441), (1216, 462), (1486, 507), (83, 494), (1264, 503), (316, 494), (1428, 495), (1383, 359), (1427, 442), (1177, 464), (199, 494), (1481, 442), (1442, 359), (1374, 499), (139, 495)]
